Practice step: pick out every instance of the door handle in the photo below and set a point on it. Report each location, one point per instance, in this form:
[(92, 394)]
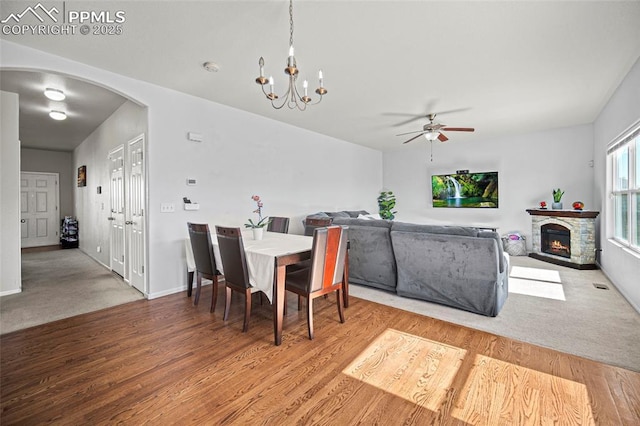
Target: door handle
[(111, 218), (22, 221), (129, 222)]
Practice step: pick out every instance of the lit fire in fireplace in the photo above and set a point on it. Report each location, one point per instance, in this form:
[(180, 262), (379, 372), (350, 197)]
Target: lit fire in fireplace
[(557, 247)]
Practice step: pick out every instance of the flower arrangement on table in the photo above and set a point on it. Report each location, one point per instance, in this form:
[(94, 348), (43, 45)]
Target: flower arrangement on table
[(543, 204), (262, 221)]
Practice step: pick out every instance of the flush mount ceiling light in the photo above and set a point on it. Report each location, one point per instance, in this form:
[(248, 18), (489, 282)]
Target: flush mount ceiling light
[(58, 115), (54, 94), (291, 98)]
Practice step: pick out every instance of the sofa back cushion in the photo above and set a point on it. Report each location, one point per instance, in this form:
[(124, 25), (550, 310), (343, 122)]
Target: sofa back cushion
[(495, 236), (371, 259), (462, 231), (453, 270)]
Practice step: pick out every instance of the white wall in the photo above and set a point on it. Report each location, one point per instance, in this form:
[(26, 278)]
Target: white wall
[(622, 110), (529, 167), (42, 160), (295, 171), (10, 272), (91, 208)]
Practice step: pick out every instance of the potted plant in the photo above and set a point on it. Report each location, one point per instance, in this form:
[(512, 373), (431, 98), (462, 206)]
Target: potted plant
[(258, 227), (386, 203), (557, 199)]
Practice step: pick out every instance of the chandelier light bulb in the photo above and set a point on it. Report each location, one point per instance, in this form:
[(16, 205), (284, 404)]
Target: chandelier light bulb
[(54, 94)]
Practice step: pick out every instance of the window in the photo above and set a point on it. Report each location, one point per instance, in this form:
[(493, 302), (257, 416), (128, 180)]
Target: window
[(624, 157)]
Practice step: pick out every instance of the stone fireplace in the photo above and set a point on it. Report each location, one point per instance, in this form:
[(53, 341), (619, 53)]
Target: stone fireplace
[(564, 237)]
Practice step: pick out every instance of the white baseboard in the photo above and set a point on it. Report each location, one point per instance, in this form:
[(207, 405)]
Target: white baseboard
[(174, 290), (628, 299), (8, 292)]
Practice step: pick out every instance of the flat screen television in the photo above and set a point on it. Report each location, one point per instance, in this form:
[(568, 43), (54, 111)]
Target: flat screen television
[(474, 190)]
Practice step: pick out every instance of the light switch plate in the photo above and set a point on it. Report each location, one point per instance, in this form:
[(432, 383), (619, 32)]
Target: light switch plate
[(167, 208)]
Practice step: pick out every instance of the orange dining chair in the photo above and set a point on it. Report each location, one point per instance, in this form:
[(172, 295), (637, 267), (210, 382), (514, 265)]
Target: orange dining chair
[(325, 273), (205, 262)]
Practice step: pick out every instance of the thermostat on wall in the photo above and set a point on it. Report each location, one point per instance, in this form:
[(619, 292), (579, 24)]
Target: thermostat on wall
[(191, 181)]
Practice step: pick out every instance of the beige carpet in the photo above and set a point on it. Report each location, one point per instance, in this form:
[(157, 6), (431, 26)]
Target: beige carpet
[(60, 284), (591, 323)]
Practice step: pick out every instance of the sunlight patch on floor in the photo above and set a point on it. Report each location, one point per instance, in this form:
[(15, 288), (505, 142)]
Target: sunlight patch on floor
[(536, 288), (537, 274), (411, 367), (490, 397)]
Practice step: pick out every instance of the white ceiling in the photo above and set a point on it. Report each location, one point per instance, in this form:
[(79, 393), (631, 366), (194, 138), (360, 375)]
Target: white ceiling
[(86, 105), (503, 67)]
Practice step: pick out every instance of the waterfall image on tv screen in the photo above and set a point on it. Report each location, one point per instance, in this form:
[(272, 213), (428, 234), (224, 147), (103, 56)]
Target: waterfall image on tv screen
[(465, 190)]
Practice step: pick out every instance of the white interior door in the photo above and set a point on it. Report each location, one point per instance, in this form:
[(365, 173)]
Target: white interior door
[(117, 209), (135, 226), (39, 217)]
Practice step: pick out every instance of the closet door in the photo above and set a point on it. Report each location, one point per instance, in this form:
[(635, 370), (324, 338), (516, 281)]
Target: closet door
[(117, 208), (135, 223)]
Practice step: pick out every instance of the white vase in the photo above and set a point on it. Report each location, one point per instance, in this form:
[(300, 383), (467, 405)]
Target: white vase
[(556, 205), (258, 233)]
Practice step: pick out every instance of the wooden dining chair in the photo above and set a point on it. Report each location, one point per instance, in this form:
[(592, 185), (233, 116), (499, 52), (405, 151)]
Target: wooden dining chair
[(310, 224), (205, 262), (278, 224), (236, 273), (326, 272)]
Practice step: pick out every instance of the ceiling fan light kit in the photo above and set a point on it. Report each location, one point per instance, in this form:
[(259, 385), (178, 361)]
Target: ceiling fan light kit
[(433, 131), (291, 98)]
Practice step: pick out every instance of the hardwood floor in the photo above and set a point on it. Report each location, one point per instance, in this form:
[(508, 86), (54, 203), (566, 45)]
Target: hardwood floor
[(167, 362)]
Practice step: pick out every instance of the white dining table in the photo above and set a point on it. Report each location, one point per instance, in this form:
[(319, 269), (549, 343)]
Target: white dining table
[(261, 255), (267, 260)]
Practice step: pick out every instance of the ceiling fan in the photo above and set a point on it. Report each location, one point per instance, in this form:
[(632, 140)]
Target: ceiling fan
[(433, 131)]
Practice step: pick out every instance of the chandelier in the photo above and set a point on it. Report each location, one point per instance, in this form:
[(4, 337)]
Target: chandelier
[(291, 98)]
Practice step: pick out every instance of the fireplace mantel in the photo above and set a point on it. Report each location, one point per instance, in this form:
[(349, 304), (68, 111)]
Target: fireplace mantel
[(586, 214), (580, 223)]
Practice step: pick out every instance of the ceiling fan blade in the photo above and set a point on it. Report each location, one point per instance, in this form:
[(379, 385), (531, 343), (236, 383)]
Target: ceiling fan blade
[(408, 133), (442, 138), (415, 137), (459, 129), (409, 120)]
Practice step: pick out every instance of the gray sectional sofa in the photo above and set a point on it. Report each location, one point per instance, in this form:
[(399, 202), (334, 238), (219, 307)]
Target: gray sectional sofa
[(462, 267)]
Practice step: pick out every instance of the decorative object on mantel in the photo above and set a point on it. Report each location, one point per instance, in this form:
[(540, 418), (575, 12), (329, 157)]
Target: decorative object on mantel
[(557, 197), (578, 205), (386, 203), (258, 227), (543, 204), (291, 98)]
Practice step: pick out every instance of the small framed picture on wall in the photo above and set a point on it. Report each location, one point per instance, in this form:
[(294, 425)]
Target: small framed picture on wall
[(82, 176)]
